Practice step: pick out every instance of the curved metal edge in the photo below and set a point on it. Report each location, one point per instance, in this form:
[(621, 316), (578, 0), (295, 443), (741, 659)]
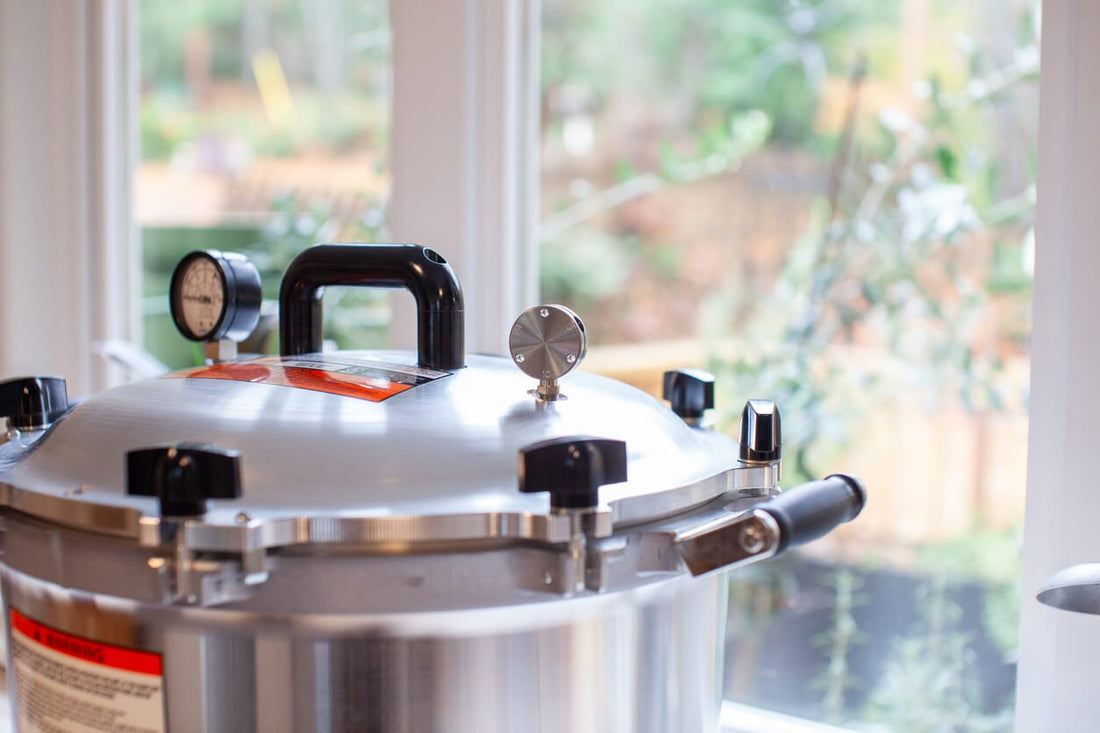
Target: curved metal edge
[(376, 532), (387, 532), (1076, 588), (109, 519), (465, 622)]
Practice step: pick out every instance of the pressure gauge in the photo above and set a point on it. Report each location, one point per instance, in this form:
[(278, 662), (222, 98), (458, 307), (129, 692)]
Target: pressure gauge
[(216, 295)]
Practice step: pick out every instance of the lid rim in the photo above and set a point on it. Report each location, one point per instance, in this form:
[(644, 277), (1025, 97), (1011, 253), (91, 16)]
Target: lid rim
[(244, 533)]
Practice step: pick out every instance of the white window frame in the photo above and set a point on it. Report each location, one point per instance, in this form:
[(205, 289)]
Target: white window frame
[(68, 255), (465, 170), (464, 144), (1060, 651)]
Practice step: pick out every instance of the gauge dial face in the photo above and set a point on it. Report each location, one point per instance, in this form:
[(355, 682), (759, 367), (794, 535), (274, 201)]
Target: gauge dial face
[(200, 297)]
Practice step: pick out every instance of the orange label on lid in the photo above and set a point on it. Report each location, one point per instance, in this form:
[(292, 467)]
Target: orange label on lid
[(338, 375)]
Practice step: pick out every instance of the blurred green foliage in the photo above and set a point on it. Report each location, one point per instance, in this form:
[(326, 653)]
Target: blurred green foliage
[(918, 245), (710, 59), (928, 684), (332, 123), (200, 104), (163, 33), (186, 46), (167, 26), (581, 262), (992, 557), (897, 258)]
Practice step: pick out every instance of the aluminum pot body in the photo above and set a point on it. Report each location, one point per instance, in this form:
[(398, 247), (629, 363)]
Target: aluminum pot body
[(645, 659), (357, 586), (323, 542)]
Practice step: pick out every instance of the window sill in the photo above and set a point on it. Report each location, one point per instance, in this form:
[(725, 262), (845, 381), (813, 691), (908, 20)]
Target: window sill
[(738, 718)]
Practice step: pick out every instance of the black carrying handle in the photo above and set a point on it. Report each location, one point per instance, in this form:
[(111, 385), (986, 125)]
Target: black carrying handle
[(441, 336), (814, 509)]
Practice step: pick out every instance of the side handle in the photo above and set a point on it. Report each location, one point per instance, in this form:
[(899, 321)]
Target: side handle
[(797, 516), (812, 510)]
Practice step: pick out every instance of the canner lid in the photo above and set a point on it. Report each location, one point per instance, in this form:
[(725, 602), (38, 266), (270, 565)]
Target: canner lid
[(444, 446)]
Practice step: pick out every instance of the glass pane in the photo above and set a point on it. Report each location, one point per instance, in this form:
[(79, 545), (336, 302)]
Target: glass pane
[(828, 203), (264, 128)]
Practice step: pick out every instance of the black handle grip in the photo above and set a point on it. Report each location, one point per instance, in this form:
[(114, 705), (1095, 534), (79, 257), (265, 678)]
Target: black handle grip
[(812, 510), (423, 272)]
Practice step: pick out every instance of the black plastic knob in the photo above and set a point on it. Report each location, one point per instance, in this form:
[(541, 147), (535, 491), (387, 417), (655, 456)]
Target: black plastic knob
[(32, 403), (183, 476), (690, 392), (761, 437), (572, 469)]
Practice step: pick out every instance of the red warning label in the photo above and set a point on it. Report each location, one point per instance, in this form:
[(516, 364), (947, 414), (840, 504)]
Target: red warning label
[(72, 684), (339, 375)]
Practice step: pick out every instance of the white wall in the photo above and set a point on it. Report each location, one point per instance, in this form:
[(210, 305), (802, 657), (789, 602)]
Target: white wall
[(1059, 678), (66, 265)]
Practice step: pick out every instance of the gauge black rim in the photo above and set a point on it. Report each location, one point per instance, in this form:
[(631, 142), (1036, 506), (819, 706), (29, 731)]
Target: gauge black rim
[(177, 305)]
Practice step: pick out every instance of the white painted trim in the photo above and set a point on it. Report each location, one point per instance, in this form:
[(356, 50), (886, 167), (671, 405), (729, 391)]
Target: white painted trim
[(1060, 651), (113, 77), (738, 718), (65, 156), (464, 152)]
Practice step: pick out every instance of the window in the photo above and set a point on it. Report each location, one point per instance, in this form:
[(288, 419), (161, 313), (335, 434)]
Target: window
[(60, 159), (264, 128), (806, 197)]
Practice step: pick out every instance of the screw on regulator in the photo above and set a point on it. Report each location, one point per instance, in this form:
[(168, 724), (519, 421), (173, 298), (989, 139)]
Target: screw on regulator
[(547, 342)]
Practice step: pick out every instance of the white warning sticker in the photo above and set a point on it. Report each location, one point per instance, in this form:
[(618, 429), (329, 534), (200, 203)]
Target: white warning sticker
[(69, 684)]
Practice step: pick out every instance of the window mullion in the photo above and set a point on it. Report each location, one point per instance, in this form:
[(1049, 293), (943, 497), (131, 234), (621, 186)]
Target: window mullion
[(462, 155), (1059, 650), (64, 183)]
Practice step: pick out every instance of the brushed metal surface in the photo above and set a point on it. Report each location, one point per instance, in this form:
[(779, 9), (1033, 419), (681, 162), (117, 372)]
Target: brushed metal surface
[(647, 660), (446, 637), (245, 532), (382, 578), (547, 342), (1076, 588), (446, 448)]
